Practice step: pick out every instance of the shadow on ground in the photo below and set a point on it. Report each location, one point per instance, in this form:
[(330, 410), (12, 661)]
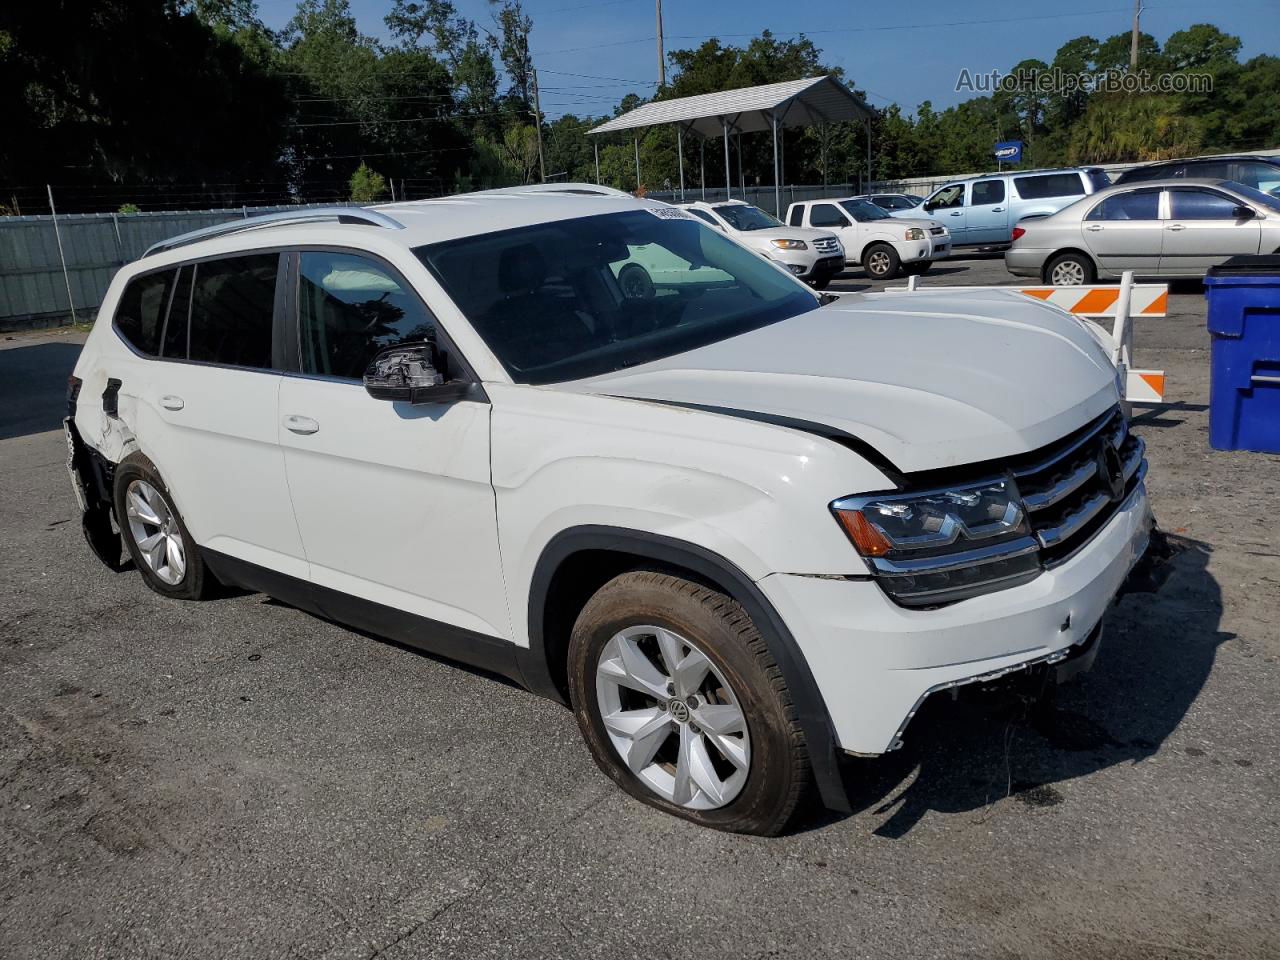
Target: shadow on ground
[(33, 387), (964, 755)]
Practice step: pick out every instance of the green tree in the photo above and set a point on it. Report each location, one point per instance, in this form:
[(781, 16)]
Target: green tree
[(367, 185)]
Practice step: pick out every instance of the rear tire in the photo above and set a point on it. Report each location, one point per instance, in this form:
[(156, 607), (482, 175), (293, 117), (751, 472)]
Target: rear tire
[(1070, 270), (714, 740), (154, 533), (881, 261)]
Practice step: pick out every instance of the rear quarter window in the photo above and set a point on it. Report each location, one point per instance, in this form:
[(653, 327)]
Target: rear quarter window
[(140, 315), (1049, 185)]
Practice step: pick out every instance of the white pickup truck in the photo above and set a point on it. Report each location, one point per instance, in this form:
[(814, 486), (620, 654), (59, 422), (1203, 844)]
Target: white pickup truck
[(883, 244)]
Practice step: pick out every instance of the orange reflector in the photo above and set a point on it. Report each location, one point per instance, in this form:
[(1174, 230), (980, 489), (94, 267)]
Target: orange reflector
[(869, 541)]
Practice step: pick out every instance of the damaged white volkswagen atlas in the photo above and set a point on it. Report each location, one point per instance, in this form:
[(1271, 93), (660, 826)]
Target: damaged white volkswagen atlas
[(740, 529)]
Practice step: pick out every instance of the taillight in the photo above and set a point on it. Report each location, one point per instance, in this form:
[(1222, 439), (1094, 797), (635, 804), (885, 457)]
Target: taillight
[(1017, 232), (73, 394)]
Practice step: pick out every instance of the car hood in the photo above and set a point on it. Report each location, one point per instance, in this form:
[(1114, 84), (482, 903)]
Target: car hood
[(929, 380), (925, 223), (784, 233)]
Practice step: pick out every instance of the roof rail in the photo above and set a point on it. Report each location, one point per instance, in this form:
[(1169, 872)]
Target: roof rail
[(313, 215)]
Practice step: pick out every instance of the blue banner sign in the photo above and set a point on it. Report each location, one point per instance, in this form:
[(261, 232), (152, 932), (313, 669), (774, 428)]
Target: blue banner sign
[(1009, 151)]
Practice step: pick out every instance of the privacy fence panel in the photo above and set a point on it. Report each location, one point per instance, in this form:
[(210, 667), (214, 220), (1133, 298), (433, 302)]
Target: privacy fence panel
[(33, 289)]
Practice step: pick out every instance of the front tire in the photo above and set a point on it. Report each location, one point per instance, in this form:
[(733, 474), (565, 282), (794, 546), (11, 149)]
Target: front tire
[(881, 261), (1069, 270), (682, 705), (154, 533), (820, 283), (635, 282)]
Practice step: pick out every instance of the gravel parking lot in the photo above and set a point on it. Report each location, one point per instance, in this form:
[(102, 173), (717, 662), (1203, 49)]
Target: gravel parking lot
[(236, 778)]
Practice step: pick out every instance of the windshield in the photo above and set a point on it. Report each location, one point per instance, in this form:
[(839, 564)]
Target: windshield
[(743, 216), (864, 211), (579, 298), (1257, 196)]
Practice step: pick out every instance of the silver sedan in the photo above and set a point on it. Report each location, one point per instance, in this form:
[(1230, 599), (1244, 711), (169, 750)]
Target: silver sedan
[(1159, 228)]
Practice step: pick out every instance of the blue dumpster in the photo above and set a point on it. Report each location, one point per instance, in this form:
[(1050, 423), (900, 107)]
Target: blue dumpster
[(1244, 324)]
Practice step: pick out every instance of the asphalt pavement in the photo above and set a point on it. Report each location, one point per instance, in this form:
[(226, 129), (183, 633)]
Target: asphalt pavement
[(236, 778)]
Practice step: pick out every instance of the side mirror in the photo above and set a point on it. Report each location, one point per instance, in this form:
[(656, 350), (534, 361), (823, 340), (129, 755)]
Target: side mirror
[(1244, 213), (411, 373)]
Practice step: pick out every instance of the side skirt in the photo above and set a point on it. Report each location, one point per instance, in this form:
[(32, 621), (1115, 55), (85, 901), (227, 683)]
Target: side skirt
[(443, 639)]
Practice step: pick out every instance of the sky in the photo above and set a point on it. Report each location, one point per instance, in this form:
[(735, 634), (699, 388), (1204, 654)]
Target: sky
[(906, 59)]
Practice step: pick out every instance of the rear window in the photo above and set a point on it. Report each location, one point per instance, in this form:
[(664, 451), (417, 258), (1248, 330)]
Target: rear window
[(1098, 178), (232, 310), (1049, 185), (140, 315)]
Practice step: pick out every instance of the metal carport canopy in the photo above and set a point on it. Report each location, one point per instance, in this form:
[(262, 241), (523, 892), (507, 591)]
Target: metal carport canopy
[(791, 103)]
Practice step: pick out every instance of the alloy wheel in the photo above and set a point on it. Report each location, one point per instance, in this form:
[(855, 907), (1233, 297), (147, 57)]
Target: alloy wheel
[(878, 263), (672, 717), (1068, 273), (155, 530)]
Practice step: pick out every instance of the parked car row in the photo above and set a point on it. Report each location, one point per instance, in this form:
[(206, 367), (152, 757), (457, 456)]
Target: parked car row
[(1161, 228)]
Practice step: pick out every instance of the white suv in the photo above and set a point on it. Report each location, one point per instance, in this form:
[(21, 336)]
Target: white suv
[(815, 256), (741, 532), (881, 243)]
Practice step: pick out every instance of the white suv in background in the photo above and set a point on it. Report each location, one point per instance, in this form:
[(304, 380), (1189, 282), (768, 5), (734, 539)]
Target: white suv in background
[(739, 531), (880, 242), (815, 256)]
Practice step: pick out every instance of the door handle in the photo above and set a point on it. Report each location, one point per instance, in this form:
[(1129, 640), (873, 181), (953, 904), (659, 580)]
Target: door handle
[(1094, 227), (997, 209), (170, 402), (1176, 226), (303, 425), (955, 213)]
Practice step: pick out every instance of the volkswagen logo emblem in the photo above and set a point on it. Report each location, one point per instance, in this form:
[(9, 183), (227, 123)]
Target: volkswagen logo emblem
[(679, 711), (1111, 471)]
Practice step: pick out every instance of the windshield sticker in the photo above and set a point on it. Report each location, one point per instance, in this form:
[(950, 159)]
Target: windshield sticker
[(669, 213)]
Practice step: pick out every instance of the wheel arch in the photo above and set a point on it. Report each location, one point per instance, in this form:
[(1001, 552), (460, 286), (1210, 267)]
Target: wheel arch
[(578, 561), (1062, 251)]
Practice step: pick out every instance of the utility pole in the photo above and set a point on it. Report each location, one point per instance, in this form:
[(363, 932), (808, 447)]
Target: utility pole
[(662, 59), (1133, 41), (537, 125)]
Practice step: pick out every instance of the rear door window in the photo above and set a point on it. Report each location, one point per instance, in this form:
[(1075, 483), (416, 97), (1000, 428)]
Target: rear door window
[(1049, 185), (349, 308), (1139, 205), (987, 192), (141, 312), (233, 311), (796, 217)]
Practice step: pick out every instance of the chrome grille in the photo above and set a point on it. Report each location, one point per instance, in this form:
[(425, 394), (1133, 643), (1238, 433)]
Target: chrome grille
[(828, 245), (1068, 491), (937, 231), (1073, 491)]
